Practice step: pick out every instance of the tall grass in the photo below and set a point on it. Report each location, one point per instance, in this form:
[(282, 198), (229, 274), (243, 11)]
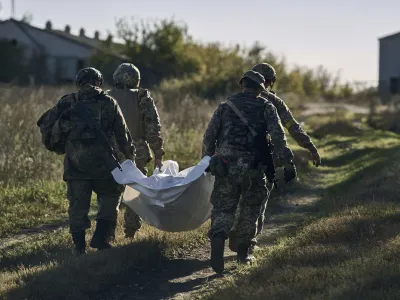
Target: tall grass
[(32, 190)]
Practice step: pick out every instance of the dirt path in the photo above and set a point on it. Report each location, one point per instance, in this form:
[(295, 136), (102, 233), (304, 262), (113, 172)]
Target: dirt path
[(35, 233), (183, 278)]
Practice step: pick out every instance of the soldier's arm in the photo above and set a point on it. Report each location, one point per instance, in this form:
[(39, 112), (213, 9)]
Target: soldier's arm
[(211, 135), (276, 131), (122, 134), (152, 125), (293, 127)]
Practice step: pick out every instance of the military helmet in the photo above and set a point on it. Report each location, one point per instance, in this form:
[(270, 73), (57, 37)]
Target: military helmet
[(266, 70), (254, 76), (88, 76), (127, 74)]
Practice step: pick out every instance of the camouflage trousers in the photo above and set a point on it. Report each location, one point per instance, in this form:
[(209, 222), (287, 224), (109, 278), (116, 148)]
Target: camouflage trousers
[(132, 222), (260, 220), (244, 185), (79, 194)]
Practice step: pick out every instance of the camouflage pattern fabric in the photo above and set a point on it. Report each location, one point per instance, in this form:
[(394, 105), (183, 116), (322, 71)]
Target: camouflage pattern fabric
[(240, 182), (151, 126), (132, 221), (127, 74), (84, 159), (79, 193), (84, 166), (227, 131), (289, 122), (266, 70), (255, 77), (152, 139), (227, 135)]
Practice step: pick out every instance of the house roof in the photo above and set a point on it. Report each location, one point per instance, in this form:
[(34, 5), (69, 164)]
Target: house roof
[(390, 36), (91, 43)]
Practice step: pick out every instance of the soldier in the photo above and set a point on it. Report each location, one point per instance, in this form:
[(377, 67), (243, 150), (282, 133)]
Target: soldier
[(143, 122), (229, 141), (288, 121), (294, 129), (86, 167)]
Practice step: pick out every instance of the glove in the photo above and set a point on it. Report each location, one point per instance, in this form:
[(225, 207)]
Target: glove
[(290, 172), (157, 163), (316, 159)]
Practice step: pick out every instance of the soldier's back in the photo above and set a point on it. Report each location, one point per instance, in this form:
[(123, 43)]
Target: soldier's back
[(84, 153), (236, 137)]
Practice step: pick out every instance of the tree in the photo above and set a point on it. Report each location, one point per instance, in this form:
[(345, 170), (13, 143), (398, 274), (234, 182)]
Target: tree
[(159, 50), (27, 18)]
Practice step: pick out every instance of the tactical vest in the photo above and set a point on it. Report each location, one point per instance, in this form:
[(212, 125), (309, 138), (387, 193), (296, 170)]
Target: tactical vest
[(128, 101), (235, 134)]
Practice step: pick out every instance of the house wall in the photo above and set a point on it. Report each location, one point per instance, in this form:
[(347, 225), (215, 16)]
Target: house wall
[(389, 66), (62, 55), (10, 31)]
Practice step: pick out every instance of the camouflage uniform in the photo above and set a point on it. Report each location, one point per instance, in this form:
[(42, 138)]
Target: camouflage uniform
[(85, 167), (288, 121), (228, 136), (144, 125)]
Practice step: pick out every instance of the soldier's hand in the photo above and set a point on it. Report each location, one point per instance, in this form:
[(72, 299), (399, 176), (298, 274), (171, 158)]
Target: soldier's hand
[(157, 163), (290, 172), (316, 158)]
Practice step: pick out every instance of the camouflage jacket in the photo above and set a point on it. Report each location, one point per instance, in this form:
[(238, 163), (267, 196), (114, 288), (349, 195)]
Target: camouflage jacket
[(84, 155), (227, 135), (149, 124), (289, 122)]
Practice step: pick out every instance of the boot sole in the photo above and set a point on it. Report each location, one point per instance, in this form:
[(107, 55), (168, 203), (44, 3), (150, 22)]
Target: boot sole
[(217, 255)]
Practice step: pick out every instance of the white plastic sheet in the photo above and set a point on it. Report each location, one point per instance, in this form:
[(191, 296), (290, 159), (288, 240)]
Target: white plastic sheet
[(169, 200)]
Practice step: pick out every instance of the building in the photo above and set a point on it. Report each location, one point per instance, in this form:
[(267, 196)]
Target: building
[(62, 53), (389, 67)]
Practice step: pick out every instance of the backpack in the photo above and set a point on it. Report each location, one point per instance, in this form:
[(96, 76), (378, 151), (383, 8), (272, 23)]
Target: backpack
[(53, 138)]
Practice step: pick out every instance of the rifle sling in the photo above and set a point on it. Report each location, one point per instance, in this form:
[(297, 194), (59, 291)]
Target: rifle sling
[(242, 118)]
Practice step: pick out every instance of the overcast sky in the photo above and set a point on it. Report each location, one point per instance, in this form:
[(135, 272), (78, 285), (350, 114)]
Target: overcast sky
[(342, 35)]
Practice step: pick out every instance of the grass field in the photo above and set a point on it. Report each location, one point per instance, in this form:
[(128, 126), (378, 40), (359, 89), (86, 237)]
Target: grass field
[(347, 249)]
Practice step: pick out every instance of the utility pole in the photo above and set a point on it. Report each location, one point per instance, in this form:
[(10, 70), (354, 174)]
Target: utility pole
[(12, 9)]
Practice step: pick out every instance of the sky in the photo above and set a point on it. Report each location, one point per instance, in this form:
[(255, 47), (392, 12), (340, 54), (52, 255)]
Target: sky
[(341, 35)]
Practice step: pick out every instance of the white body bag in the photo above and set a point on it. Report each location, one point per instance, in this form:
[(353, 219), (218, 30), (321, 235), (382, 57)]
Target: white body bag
[(169, 200)]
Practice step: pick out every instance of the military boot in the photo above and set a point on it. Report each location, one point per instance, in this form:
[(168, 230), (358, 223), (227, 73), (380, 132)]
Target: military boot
[(79, 241), (101, 236), (243, 256), (217, 252)]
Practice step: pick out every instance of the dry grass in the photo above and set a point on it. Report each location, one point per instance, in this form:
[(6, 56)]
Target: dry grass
[(349, 250), (46, 269), (34, 194)]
